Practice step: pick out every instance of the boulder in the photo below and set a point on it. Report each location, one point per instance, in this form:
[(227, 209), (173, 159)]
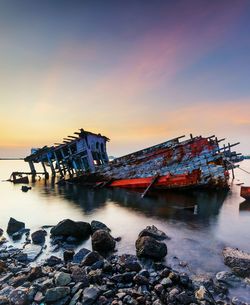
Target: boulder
[(152, 231), (56, 294), (102, 241), (238, 261), (38, 237), (97, 225), (147, 246), (68, 227), (14, 226)]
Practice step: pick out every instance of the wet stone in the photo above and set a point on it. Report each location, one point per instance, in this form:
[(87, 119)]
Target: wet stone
[(38, 237), (90, 295), (32, 251), (57, 293), (14, 226), (19, 296), (62, 279), (98, 225), (79, 256), (91, 258), (53, 261), (102, 241), (4, 300)]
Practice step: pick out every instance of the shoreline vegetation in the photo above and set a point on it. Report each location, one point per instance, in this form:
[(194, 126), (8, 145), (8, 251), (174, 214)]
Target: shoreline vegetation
[(102, 277)]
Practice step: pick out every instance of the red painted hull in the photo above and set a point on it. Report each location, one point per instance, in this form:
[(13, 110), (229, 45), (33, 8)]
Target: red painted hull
[(163, 182), (245, 192)]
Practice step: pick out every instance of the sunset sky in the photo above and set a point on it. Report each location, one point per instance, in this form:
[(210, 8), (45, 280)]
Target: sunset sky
[(139, 72)]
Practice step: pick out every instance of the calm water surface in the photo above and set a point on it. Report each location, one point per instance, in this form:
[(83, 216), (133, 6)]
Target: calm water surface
[(222, 219)]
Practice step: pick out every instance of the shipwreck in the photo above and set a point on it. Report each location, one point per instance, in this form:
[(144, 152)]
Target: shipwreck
[(174, 164)]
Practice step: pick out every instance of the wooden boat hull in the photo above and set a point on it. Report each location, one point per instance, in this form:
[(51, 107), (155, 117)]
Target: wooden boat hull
[(245, 192)]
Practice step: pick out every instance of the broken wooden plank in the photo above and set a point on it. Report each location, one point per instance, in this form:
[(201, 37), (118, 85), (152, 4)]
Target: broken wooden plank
[(154, 179)]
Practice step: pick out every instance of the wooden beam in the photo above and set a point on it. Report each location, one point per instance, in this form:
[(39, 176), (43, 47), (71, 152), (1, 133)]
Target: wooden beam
[(154, 179)]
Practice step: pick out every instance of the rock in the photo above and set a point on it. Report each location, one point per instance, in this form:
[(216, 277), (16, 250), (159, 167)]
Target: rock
[(228, 278), (14, 226), (2, 240), (97, 225), (4, 300), (102, 241), (18, 235), (78, 257), (147, 246), (53, 261), (203, 295), (68, 227), (38, 237), (2, 267), (126, 277), (76, 297), (25, 188), (32, 251), (238, 261), (166, 282), (68, 255), (129, 262), (90, 295), (1, 232), (35, 273), (22, 257), (56, 294), (140, 279), (152, 231), (19, 296), (62, 279), (91, 258), (38, 297), (79, 275)]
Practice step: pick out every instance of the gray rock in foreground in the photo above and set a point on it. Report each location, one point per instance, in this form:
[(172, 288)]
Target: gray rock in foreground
[(238, 261), (14, 226)]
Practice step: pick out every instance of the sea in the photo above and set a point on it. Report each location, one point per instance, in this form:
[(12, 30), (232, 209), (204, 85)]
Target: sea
[(199, 223)]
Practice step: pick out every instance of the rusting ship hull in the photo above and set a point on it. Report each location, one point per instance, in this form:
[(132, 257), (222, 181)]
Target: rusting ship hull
[(245, 192), (162, 182), (196, 162)]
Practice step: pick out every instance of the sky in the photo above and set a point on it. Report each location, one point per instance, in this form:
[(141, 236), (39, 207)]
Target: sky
[(138, 71)]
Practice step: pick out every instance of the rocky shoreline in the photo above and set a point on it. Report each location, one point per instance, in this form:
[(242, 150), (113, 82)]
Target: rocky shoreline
[(102, 277)]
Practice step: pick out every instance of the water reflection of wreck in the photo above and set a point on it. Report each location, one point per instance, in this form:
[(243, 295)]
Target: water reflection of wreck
[(169, 205), (174, 164)]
